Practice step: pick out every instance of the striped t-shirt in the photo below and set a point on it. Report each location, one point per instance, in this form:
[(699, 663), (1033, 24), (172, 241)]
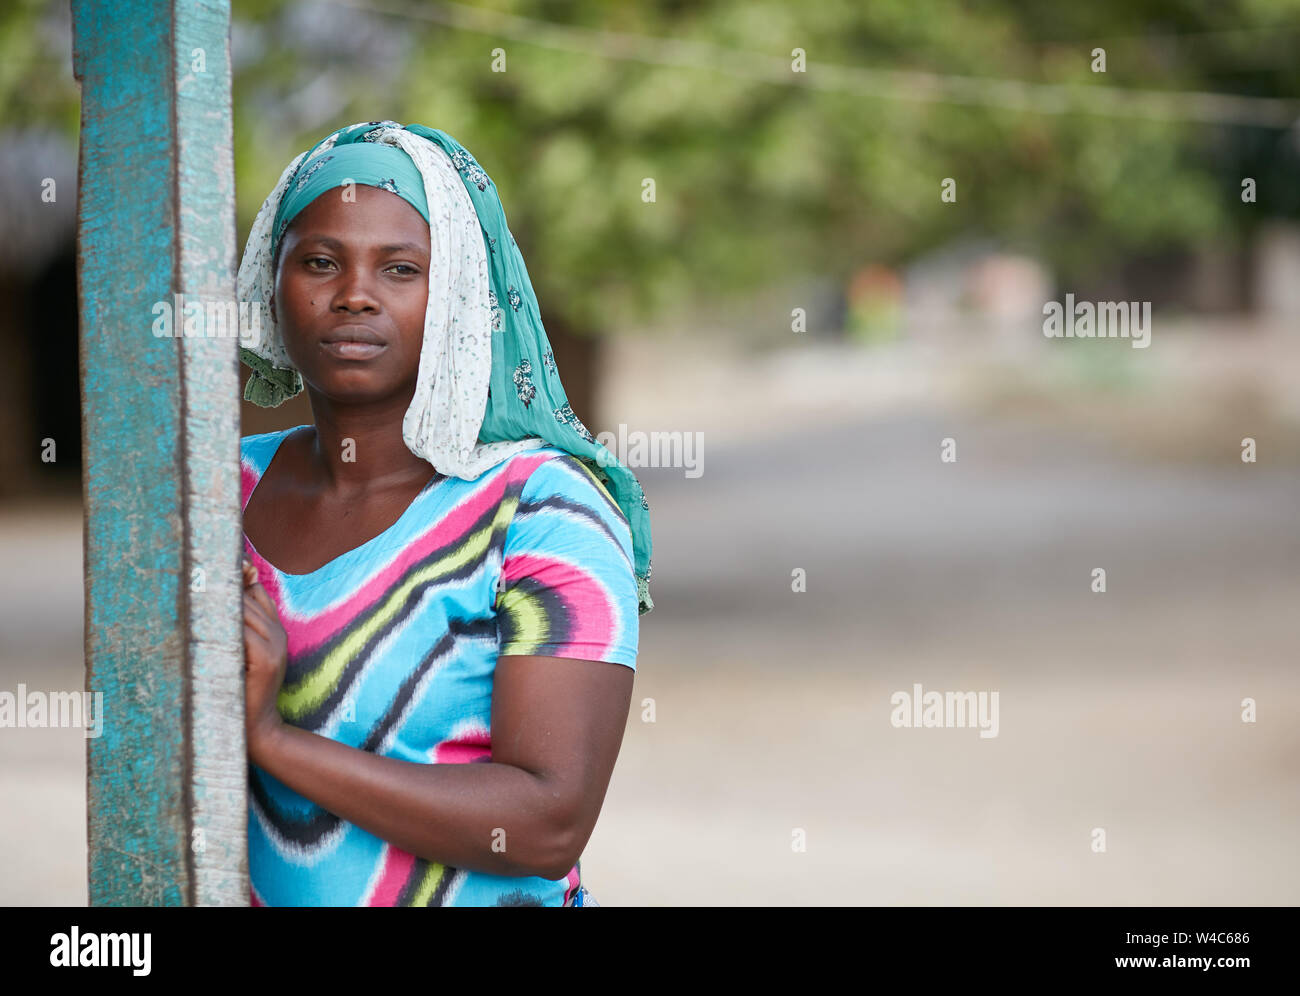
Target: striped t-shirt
[(392, 649)]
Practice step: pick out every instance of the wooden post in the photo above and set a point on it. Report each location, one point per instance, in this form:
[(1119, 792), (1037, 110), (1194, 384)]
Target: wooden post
[(164, 627)]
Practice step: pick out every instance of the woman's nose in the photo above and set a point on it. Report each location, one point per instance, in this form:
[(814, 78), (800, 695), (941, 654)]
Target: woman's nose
[(354, 292)]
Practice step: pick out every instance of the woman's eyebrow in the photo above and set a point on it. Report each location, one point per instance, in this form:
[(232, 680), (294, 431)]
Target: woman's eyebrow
[(332, 243), (323, 240)]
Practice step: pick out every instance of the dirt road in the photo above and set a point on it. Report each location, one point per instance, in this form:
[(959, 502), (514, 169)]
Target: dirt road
[(1118, 711)]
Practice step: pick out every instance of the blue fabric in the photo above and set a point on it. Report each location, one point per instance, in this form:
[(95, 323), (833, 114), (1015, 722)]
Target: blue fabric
[(393, 646)]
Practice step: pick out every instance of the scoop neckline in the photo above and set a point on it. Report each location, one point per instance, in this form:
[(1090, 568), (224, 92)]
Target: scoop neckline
[(437, 477)]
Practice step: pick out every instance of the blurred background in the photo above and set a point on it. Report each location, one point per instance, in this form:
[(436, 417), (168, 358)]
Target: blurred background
[(795, 287)]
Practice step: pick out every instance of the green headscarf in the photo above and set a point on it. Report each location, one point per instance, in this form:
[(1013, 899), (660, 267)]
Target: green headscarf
[(525, 397)]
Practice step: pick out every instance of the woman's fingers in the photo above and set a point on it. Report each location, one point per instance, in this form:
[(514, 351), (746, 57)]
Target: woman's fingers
[(264, 637), (251, 635), (255, 616), (252, 603), (264, 600), (253, 585)]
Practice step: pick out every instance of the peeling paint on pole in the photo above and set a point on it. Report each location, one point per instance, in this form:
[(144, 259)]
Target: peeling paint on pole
[(160, 420)]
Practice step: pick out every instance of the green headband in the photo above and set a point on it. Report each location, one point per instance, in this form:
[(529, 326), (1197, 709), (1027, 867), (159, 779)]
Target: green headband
[(371, 164)]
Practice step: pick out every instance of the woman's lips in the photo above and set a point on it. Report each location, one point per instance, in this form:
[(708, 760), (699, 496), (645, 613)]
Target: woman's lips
[(348, 349)]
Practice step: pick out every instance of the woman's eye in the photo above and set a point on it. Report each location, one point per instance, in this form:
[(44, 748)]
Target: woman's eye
[(311, 261)]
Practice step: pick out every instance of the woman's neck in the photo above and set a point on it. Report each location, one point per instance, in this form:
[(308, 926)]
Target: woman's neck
[(359, 450)]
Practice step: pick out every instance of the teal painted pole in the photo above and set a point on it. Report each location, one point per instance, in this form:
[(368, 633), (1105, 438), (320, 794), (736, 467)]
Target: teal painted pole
[(160, 422)]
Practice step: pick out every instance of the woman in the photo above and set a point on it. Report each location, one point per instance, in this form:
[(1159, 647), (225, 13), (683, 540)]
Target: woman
[(444, 572)]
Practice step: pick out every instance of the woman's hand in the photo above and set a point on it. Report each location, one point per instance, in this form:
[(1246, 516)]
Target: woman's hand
[(266, 652)]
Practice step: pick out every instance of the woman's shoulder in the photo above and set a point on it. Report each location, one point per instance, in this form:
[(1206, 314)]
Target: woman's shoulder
[(256, 450), (554, 475), (548, 464), (263, 439)]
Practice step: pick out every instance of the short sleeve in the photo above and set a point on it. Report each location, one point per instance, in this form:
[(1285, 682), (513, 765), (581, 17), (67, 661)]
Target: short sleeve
[(568, 584)]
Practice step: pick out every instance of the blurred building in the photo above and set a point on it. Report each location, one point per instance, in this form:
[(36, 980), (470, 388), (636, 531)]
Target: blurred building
[(40, 397)]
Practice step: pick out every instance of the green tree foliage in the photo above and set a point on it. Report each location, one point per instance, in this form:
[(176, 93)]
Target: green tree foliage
[(762, 173)]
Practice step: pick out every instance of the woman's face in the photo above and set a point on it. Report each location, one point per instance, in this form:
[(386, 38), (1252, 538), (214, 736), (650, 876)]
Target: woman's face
[(351, 288)]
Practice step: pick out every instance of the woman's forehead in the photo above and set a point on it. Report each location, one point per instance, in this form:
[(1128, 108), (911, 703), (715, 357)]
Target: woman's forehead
[(360, 216)]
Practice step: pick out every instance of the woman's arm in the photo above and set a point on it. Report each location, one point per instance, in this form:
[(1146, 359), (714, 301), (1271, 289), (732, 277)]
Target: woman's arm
[(557, 725)]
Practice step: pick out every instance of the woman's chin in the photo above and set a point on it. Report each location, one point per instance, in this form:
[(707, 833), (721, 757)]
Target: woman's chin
[(352, 387)]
